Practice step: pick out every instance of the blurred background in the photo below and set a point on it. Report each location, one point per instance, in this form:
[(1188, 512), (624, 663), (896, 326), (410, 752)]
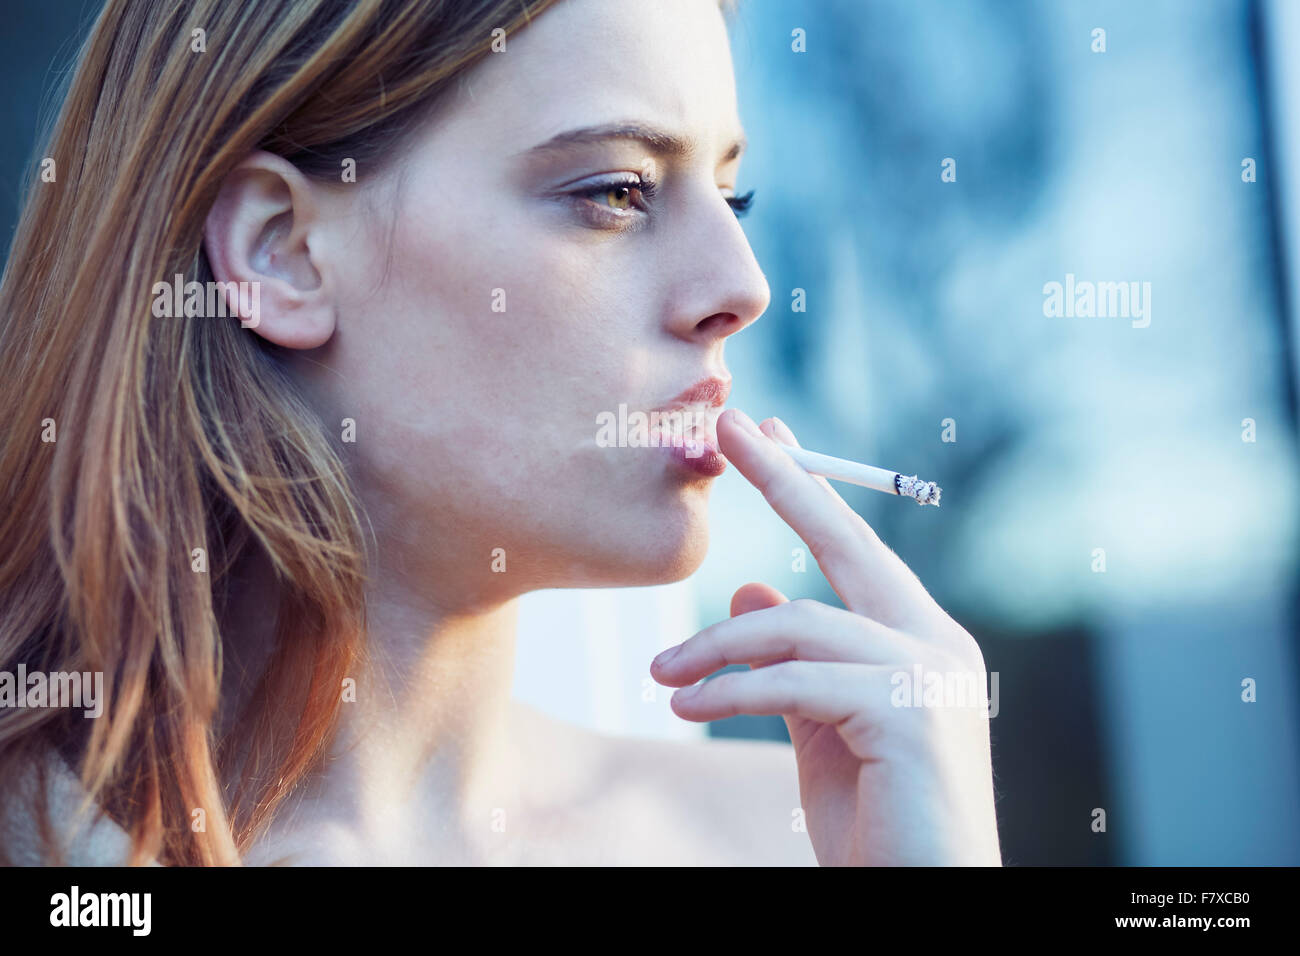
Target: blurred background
[(1120, 524)]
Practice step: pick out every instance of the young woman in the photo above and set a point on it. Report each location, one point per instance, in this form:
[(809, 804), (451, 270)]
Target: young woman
[(292, 539)]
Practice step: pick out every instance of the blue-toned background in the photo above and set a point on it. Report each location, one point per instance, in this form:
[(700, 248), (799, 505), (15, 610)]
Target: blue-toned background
[(1119, 689)]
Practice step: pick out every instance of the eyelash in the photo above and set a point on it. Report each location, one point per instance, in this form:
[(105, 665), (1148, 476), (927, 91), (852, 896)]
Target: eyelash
[(647, 188), (740, 204)]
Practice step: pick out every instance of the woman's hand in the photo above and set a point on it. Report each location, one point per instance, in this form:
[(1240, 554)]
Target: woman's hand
[(881, 782)]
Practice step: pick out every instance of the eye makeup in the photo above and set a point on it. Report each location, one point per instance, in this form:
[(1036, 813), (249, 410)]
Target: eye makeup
[(615, 200), (740, 204)]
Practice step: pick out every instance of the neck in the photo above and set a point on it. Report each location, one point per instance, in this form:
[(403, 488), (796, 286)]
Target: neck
[(428, 726), (431, 715)]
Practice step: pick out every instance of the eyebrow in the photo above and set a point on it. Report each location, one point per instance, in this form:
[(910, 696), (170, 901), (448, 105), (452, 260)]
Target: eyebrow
[(660, 141)]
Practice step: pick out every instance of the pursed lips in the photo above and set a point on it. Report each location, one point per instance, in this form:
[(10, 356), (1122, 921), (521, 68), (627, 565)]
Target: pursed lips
[(700, 405)]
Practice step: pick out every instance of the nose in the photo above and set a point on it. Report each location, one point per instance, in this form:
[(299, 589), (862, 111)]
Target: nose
[(718, 287)]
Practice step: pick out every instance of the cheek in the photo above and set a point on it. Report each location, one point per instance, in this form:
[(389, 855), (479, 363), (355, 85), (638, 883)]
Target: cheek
[(479, 367), (542, 323), (494, 344)]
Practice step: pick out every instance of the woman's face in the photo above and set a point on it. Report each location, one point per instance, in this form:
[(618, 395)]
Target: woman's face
[(506, 283)]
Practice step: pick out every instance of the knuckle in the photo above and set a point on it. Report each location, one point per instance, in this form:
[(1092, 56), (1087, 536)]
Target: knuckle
[(824, 547), (786, 674), (769, 480), (721, 684), (726, 652), (804, 607), (786, 682)]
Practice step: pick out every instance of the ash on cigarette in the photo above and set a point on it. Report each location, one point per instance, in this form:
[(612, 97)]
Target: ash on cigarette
[(925, 492)]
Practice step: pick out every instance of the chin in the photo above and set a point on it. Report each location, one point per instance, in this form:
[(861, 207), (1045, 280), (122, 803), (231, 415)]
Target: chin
[(681, 563), (662, 548)]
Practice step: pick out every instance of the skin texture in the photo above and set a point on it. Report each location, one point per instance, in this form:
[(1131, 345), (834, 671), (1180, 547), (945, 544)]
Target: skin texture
[(476, 430)]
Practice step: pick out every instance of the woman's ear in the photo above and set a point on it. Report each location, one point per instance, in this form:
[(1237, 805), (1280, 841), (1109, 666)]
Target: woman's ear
[(260, 230)]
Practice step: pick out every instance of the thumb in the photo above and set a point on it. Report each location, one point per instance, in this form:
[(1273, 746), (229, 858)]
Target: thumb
[(755, 597)]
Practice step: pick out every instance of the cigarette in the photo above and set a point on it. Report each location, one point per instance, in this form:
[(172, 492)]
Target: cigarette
[(867, 476)]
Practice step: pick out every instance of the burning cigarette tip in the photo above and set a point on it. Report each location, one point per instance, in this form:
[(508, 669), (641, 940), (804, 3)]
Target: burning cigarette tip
[(867, 476), (925, 492)]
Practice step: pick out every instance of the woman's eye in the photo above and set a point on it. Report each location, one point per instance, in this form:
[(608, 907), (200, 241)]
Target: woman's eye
[(740, 205), (620, 203), (619, 198)]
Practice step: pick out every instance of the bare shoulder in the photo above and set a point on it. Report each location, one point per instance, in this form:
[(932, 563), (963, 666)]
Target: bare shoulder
[(745, 793), (711, 802), (84, 837)]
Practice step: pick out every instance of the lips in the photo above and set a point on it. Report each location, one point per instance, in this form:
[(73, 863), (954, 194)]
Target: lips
[(700, 404), (712, 391)]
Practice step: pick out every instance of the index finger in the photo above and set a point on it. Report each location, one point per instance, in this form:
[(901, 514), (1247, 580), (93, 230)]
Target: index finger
[(869, 578)]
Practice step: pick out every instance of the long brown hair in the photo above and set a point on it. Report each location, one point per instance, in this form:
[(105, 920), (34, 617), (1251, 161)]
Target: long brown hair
[(130, 440)]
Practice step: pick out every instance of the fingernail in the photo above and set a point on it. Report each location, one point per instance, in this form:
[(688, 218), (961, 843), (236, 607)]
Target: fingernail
[(666, 656), (747, 423), (783, 432), (684, 693)]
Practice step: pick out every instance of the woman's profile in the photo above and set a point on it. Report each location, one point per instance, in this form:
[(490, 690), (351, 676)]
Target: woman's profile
[(304, 341)]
